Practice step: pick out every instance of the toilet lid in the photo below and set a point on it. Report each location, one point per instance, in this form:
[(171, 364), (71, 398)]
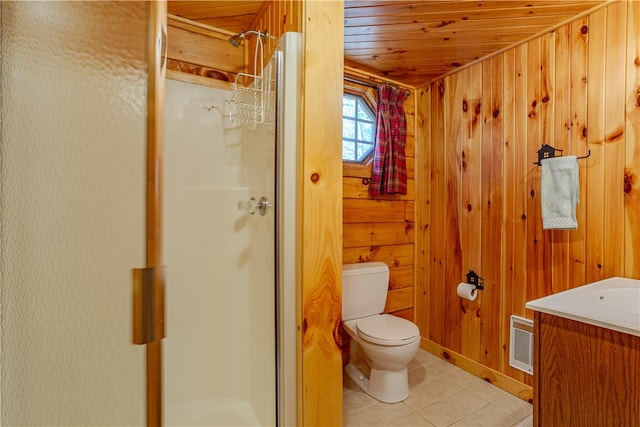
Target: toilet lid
[(386, 329)]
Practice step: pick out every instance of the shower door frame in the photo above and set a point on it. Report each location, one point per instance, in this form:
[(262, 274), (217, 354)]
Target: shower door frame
[(157, 51), (288, 60)]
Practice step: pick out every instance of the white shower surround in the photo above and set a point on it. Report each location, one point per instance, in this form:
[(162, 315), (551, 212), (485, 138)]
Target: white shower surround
[(216, 310), (220, 356)]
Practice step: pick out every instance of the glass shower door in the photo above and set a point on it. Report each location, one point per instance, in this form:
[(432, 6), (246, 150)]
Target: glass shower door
[(74, 114)]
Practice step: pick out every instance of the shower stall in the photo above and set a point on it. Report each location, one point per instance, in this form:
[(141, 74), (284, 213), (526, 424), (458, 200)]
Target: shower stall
[(229, 227)]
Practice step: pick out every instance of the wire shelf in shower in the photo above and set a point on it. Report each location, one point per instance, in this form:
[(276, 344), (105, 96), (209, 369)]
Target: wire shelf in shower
[(251, 99)]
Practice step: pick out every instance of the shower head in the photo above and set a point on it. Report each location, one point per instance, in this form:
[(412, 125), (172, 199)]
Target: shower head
[(237, 39)]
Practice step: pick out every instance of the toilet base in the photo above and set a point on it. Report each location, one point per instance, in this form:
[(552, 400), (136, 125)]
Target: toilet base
[(385, 386)]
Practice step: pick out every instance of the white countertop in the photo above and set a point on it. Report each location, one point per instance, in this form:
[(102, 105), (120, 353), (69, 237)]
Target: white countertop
[(612, 303)]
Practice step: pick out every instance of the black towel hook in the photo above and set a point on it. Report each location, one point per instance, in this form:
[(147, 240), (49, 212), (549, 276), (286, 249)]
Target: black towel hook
[(585, 156)]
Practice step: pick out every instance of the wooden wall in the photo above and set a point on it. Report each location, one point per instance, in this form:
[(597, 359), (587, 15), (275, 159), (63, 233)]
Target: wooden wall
[(383, 228), (576, 88), (278, 17), (201, 54), (198, 50), (320, 382)]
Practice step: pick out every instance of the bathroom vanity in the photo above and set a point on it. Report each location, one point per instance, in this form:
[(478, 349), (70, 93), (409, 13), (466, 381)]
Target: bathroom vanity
[(587, 356)]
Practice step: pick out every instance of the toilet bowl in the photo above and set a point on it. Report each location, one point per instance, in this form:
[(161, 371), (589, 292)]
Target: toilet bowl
[(382, 345)]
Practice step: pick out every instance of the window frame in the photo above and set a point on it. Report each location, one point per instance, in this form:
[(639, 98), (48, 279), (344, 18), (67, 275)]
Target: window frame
[(368, 96)]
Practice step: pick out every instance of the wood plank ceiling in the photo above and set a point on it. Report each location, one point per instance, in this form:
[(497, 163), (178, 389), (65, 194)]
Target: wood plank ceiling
[(412, 42)]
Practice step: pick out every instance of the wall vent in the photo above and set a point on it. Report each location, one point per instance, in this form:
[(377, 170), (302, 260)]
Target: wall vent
[(521, 344)]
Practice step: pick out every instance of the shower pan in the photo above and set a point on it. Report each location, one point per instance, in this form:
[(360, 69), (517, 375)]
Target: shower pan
[(230, 253)]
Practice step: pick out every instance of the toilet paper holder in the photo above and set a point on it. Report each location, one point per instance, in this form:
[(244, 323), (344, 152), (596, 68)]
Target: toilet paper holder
[(475, 280)]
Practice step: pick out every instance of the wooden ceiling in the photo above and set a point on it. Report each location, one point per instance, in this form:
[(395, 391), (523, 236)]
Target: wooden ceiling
[(412, 42)]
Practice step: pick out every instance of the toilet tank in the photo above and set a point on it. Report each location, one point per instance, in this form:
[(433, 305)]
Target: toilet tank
[(364, 289)]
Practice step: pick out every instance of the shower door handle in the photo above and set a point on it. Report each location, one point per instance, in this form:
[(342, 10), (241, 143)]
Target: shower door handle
[(148, 304), (252, 206)]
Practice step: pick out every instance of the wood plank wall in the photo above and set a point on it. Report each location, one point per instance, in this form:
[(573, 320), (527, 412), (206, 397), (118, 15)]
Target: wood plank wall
[(201, 50), (576, 88), (201, 54), (383, 228), (320, 218), (277, 17)]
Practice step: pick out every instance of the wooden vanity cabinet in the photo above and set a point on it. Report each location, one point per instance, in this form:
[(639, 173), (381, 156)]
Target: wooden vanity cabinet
[(584, 375)]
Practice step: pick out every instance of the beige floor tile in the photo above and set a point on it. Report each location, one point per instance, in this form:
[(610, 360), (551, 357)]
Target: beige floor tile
[(357, 393), (436, 369), (366, 399), (417, 376), (464, 378), (488, 391), (421, 396), (413, 364), (442, 367), (351, 402), (474, 391), (441, 414), (413, 420), (389, 412), (362, 417), (466, 422), (513, 405), (526, 422), (444, 385), (465, 401), (492, 417), (425, 358)]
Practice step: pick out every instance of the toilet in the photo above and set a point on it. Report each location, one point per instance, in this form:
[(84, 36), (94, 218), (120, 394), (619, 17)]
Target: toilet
[(382, 345)]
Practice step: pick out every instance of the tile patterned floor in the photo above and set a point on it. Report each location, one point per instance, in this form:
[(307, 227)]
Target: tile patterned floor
[(440, 395)]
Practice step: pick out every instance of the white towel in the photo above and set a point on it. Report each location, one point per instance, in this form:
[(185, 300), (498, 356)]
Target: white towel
[(559, 192)]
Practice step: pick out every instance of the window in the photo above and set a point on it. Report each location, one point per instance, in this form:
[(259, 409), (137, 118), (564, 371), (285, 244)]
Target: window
[(358, 128)]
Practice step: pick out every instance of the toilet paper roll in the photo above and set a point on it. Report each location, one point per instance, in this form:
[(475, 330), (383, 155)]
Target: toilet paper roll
[(467, 291)]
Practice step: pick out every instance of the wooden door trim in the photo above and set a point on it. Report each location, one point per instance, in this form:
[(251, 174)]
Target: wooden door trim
[(154, 181)]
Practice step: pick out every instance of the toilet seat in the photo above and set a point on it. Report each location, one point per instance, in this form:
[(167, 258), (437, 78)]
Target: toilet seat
[(386, 329)]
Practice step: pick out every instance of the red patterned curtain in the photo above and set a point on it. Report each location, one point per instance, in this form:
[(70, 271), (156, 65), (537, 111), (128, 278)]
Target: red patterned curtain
[(389, 162)]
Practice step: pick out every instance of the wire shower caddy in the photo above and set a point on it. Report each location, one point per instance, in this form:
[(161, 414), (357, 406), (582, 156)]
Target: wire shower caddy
[(252, 97)]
